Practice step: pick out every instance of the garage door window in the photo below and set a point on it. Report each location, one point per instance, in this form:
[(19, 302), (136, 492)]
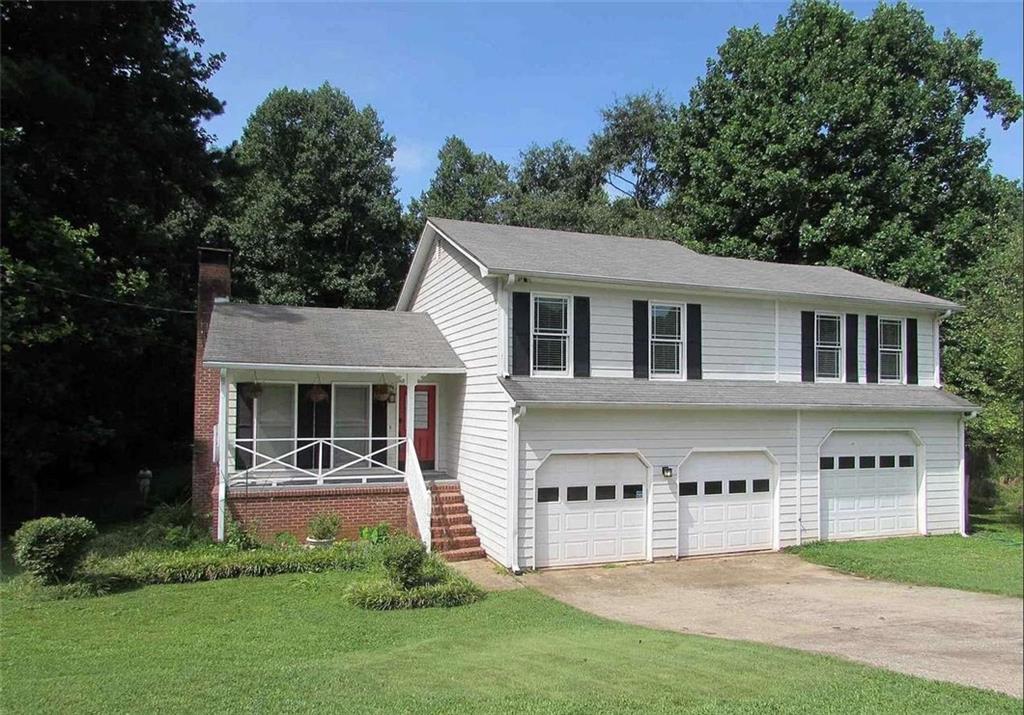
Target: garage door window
[(887, 461), (847, 463), (712, 487), (737, 486), (604, 492), (633, 491), (906, 460), (547, 494), (575, 493), (867, 462), (762, 485), (827, 463), (688, 489)]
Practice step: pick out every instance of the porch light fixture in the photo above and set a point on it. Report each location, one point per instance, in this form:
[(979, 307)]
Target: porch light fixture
[(666, 472), (317, 393)]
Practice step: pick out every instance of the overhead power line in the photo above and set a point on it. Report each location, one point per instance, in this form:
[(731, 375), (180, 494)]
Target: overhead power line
[(111, 301)]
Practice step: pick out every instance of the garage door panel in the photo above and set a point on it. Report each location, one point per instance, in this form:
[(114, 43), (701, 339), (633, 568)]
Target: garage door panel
[(721, 523), (880, 500), (592, 530)]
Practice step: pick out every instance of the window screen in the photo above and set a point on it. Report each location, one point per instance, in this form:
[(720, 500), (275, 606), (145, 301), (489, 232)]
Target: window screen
[(351, 423), (827, 347), (687, 489), (547, 494), (604, 492), (890, 349), (666, 340), (550, 334), (275, 424), (712, 487)]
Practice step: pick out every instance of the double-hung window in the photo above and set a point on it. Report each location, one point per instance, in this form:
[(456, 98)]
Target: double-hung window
[(550, 336), (890, 350), (666, 340), (828, 346)]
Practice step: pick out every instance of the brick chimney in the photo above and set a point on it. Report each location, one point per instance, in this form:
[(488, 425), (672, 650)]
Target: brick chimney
[(214, 284)]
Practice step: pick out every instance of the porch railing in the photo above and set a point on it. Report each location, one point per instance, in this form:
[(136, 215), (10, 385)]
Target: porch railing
[(319, 461), (335, 461)]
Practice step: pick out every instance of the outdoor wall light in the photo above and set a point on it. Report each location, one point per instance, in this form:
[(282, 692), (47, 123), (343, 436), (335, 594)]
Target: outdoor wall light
[(666, 472)]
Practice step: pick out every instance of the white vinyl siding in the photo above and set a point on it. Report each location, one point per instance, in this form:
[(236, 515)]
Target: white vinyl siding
[(664, 437), (475, 408)]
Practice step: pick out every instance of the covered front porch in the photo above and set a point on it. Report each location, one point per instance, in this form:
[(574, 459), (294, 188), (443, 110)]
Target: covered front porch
[(317, 400)]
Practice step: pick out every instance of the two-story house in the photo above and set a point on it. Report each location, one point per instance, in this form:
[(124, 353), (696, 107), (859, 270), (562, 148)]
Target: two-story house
[(581, 399)]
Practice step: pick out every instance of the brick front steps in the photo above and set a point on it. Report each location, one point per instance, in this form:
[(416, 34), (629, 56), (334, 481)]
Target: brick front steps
[(452, 533)]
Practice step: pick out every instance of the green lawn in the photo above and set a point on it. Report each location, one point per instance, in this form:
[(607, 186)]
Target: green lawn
[(291, 643), (990, 560)]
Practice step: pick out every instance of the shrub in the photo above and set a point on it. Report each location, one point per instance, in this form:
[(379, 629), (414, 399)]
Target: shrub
[(240, 538), (286, 540), (403, 560), (324, 525), (51, 548), (385, 595), (378, 534), (211, 563)]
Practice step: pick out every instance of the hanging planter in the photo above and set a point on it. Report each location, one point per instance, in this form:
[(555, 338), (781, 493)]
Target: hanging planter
[(382, 393), (252, 390), (317, 393)]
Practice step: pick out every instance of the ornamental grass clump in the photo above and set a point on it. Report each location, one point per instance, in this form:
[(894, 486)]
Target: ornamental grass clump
[(413, 579), (51, 548)]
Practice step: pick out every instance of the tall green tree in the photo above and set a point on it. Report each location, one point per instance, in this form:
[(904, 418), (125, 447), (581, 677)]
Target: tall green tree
[(313, 215), (841, 141), (103, 158), (468, 186)]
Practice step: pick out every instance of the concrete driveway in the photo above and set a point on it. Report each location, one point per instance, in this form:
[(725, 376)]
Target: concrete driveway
[(969, 638)]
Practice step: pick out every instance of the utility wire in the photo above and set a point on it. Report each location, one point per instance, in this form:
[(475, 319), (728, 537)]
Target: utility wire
[(111, 301)]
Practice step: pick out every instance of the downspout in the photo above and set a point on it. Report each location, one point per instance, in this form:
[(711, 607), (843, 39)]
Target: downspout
[(222, 454), (799, 489), (962, 444), (516, 412)]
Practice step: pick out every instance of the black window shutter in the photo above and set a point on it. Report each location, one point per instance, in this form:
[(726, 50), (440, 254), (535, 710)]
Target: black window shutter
[(911, 351), (871, 347), (693, 342), (640, 347), (520, 333), (807, 345), (581, 336), (852, 325)]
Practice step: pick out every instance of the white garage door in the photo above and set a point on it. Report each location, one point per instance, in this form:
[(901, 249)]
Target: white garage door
[(868, 485), (591, 509), (726, 503)]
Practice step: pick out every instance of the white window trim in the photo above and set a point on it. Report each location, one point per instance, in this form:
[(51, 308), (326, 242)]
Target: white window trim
[(902, 362), (681, 375), (842, 346), (568, 372)]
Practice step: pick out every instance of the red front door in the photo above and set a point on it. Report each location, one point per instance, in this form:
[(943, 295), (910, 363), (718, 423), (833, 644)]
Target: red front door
[(424, 421)]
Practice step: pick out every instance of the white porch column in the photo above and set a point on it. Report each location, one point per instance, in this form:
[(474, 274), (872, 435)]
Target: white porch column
[(222, 455)]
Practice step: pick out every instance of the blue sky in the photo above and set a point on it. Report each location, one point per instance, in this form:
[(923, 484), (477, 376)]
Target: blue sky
[(505, 76)]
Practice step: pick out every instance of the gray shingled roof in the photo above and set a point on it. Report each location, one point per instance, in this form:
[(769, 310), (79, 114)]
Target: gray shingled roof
[(564, 254), (729, 393), (243, 334)]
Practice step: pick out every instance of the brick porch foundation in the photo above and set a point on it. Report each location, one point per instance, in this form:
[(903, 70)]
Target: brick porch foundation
[(270, 511)]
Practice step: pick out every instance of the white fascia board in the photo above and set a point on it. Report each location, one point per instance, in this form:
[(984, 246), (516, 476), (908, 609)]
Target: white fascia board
[(420, 369), (583, 280), (419, 260), (484, 271), (719, 406)]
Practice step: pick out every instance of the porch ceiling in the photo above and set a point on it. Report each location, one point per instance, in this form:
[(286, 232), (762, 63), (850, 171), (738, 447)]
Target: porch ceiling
[(278, 336)]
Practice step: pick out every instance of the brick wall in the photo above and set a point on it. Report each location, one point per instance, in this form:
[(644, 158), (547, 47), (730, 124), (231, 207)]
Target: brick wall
[(214, 282), (270, 511)]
